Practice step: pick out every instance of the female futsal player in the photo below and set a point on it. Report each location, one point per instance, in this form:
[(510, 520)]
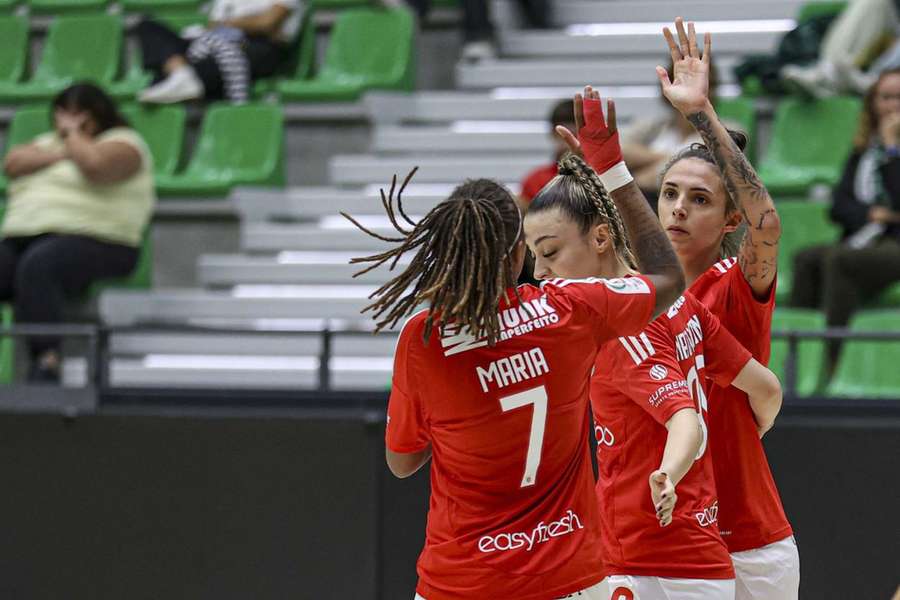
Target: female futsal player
[(492, 383), (706, 192), (649, 395)]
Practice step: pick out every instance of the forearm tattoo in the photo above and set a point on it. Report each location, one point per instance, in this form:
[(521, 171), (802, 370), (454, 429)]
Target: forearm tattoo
[(758, 253)]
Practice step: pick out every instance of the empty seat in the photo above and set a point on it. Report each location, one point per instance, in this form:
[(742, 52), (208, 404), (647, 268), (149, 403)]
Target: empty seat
[(14, 33), (238, 145), (804, 224), (811, 10), (76, 48), (162, 128), (810, 357), (810, 142), (868, 369), (7, 347), (368, 49), (27, 124)]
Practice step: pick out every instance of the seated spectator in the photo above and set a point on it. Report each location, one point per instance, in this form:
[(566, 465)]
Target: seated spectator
[(244, 40), (79, 200), (478, 31), (857, 36), (562, 114), (866, 204)]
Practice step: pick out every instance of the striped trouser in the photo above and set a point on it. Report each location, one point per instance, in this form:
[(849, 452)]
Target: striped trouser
[(231, 60)]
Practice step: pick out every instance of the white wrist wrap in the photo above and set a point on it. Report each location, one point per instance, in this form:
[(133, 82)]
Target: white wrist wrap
[(616, 177)]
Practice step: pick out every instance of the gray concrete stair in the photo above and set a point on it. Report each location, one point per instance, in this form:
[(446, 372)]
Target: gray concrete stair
[(364, 168), (226, 270)]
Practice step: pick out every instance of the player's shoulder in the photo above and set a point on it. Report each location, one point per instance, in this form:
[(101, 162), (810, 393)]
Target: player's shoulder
[(414, 328), (618, 285), (716, 280), (683, 309)]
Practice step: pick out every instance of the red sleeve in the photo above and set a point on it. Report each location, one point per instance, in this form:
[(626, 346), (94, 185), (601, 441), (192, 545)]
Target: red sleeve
[(614, 306), (647, 371), (536, 180), (748, 318), (406, 430), (724, 355)]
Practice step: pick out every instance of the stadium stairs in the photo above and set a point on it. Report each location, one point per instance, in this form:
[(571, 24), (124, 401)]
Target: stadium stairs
[(292, 272)]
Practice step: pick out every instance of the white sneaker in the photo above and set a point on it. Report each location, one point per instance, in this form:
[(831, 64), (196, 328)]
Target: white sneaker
[(478, 51), (854, 80), (819, 80), (182, 84)]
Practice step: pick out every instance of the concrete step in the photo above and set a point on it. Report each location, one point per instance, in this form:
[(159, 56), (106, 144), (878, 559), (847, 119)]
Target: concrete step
[(226, 270), (558, 72), (613, 41), (364, 168), (251, 303), (275, 237), (248, 372), (570, 12), (466, 136), (532, 103), (261, 204)]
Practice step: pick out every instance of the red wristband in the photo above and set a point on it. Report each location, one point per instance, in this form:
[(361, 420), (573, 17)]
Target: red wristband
[(601, 149)]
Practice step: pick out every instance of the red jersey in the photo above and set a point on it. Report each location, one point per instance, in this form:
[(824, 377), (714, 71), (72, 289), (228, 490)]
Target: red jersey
[(639, 383), (536, 180), (512, 511), (751, 514)]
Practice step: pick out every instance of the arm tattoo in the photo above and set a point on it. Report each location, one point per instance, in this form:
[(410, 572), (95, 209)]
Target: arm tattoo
[(758, 253), (652, 249)]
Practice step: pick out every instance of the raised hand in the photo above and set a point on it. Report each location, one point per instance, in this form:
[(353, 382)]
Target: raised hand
[(688, 91), (597, 139)]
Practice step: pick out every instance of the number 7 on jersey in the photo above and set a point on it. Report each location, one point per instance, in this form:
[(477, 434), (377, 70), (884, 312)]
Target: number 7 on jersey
[(538, 397)]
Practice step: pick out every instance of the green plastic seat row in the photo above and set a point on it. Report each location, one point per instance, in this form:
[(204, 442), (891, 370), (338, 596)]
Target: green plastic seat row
[(809, 363), (868, 369), (238, 145), (803, 224), (740, 110), (810, 143)]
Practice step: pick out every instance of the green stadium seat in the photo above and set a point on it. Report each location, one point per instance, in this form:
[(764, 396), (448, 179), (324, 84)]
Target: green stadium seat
[(811, 10), (810, 353), (810, 142), (140, 279), (8, 5), (7, 347), (76, 48), (14, 33), (803, 224), (868, 369), (27, 123), (891, 296), (238, 145), (368, 49), (741, 111), (57, 7), (339, 4), (162, 128)]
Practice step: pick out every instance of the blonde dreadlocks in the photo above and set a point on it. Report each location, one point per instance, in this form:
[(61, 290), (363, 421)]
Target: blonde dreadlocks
[(462, 265)]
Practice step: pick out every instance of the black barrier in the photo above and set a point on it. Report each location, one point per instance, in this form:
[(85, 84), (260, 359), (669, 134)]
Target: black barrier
[(169, 502)]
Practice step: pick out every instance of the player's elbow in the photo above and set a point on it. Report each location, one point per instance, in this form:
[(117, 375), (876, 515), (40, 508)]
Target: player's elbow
[(685, 425), (767, 397), (403, 465)]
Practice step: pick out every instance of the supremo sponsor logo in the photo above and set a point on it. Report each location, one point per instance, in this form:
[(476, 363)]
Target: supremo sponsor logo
[(541, 534), (514, 321)]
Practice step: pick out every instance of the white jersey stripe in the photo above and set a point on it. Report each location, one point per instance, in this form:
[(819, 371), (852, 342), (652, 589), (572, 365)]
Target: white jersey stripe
[(639, 347), (646, 340), (630, 350)]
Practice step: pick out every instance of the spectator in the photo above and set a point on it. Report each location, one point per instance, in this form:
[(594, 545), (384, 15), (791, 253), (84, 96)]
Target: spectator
[(562, 114), (243, 41), (478, 31), (648, 144), (866, 204), (858, 35), (79, 200)]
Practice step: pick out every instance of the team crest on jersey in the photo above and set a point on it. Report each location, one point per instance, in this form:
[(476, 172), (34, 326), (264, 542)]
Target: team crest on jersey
[(627, 285), (658, 372)]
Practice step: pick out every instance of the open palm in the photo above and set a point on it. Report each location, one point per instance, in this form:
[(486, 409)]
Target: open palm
[(688, 91)]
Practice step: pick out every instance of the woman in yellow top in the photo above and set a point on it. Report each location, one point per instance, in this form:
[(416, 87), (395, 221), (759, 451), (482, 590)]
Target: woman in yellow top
[(79, 200)]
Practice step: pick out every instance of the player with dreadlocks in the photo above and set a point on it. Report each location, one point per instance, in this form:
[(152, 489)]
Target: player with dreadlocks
[(492, 382), (648, 392)]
